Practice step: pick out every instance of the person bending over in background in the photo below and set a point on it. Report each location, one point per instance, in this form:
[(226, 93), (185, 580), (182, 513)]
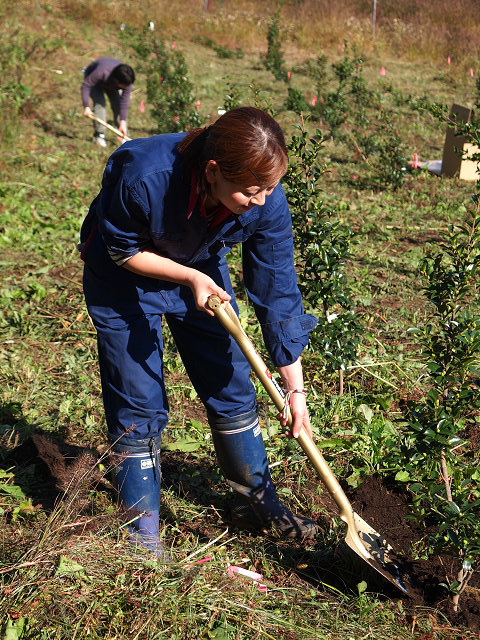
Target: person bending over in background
[(107, 76), (154, 244)]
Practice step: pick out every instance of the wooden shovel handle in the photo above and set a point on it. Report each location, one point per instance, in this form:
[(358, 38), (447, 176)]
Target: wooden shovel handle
[(92, 116)]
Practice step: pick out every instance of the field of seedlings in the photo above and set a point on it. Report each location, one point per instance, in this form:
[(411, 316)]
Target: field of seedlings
[(387, 252)]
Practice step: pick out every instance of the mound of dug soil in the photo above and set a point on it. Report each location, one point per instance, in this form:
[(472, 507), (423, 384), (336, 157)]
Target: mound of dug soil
[(385, 509)]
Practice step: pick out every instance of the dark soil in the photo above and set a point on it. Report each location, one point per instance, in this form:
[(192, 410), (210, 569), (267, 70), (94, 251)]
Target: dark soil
[(385, 509)]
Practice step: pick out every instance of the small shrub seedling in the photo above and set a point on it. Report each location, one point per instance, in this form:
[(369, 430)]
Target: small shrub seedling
[(322, 247), (354, 114), (169, 89), (295, 101), (445, 481), (274, 59), (222, 52), (232, 97)]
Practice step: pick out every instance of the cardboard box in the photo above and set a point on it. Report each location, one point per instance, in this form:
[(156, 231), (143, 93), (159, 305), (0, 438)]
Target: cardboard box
[(454, 143), (469, 169)]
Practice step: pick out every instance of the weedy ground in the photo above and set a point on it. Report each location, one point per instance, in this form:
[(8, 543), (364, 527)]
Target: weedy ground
[(66, 569)]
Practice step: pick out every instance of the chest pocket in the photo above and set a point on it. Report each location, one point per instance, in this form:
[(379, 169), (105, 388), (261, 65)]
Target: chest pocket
[(177, 246)]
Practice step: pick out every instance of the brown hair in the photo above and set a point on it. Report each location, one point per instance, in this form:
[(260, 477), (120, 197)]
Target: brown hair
[(247, 144)]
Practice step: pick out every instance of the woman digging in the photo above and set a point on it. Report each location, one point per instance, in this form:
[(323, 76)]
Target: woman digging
[(154, 244)]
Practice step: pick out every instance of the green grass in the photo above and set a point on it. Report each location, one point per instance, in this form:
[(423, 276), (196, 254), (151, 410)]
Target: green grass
[(68, 572)]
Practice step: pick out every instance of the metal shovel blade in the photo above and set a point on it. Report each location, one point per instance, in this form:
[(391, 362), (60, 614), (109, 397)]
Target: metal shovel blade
[(360, 537)]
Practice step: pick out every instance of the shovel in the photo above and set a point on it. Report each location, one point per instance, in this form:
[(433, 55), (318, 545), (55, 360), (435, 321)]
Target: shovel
[(361, 538), (109, 126)]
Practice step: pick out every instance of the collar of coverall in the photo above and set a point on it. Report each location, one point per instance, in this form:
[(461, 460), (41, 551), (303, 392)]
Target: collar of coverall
[(221, 212)]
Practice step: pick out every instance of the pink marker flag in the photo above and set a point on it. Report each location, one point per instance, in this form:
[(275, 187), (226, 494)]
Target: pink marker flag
[(256, 577), (288, 75), (448, 60), (415, 161), (142, 107), (314, 101), (207, 559), (197, 104), (383, 72), (471, 72)]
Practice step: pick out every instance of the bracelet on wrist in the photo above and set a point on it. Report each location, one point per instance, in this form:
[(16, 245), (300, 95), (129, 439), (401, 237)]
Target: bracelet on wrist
[(287, 399)]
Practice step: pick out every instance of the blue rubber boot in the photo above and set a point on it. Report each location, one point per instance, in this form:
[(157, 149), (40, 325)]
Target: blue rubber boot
[(137, 477), (243, 460)]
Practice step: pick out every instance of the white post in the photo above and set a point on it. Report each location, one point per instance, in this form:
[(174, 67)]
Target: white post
[(374, 18)]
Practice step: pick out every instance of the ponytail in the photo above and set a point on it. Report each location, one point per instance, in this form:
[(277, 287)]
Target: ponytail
[(192, 145), (193, 150)]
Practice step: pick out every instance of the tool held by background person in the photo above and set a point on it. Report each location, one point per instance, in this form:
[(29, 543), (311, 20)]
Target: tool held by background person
[(361, 538), (108, 126)]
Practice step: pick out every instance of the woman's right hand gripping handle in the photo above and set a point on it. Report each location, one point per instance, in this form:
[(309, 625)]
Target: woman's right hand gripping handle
[(203, 287), (150, 264)]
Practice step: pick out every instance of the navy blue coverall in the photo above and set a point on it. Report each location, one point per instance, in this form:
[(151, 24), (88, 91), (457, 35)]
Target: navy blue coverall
[(146, 203)]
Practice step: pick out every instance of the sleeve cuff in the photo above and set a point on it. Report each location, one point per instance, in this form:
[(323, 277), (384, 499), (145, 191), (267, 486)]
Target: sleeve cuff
[(120, 258), (286, 339)]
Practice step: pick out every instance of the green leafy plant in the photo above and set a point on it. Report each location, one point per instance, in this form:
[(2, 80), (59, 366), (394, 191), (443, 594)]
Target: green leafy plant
[(354, 114), (322, 247), (373, 437), (232, 97), (169, 89), (349, 97), (296, 102), (317, 71), (444, 480), (17, 504), (260, 100), (222, 52), (274, 58), (388, 156)]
